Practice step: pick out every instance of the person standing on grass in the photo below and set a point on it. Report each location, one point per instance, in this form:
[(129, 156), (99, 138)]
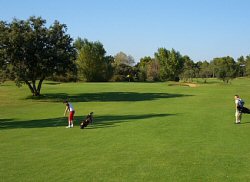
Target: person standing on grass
[(238, 108), (69, 108)]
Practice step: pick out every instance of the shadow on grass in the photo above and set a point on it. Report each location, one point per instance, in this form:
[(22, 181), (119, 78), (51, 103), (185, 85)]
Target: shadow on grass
[(246, 122), (52, 83), (99, 121), (209, 82), (39, 123), (105, 97)]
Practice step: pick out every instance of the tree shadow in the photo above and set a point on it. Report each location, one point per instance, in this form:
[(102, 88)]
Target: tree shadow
[(105, 97), (99, 121), (39, 123), (5, 120), (52, 83)]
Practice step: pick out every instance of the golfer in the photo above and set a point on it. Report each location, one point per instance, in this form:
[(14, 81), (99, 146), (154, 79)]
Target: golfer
[(238, 106), (69, 108)]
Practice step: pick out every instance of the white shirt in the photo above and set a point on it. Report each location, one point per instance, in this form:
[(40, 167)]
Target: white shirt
[(237, 101), (71, 107)]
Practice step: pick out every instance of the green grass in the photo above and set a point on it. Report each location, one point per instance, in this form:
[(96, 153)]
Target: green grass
[(142, 132)]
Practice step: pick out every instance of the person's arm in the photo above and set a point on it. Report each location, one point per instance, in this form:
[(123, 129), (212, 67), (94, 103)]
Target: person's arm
[(66, 110), (236, 105)]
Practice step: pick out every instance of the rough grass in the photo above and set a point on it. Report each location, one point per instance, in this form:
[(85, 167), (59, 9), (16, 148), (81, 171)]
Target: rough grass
[(142, 132)]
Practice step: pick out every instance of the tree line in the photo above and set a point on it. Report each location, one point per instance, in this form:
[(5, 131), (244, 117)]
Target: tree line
[(31, 52)]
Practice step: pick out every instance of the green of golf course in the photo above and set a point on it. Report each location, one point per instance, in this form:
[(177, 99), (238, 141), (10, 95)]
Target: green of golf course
[(141, 132)]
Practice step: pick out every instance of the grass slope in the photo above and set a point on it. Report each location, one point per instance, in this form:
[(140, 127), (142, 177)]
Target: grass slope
[(142, 132)]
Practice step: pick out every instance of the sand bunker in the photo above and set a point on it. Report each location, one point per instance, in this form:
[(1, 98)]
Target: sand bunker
[(193, 85)]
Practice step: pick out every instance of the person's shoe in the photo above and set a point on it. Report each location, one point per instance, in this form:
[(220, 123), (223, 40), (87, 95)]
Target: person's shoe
[(67, 126), (71, 126)]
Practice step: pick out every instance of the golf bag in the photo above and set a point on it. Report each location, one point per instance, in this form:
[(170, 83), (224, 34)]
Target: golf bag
[(245, 110), (87, 121)]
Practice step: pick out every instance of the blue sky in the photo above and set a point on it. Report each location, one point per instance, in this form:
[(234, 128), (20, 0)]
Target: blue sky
[(201, 29)]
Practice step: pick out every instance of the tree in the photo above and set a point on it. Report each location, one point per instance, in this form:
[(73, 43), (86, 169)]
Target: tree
[(145, 61), (197, 69), (123, 67), (143, 67), (153, 70), (248, 65), (30, 51), (92, 63), (241, 64), (122, 71), (122, 58), (171, 64), (188, 72), (205, 71), (225, 68)]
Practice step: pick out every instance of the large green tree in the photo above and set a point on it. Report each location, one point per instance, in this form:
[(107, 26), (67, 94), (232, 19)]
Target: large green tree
[(93, 65), (205, 71), (188, 71), (149, 69), (31, 52), (225, 68), (241, 64), (171, 63)]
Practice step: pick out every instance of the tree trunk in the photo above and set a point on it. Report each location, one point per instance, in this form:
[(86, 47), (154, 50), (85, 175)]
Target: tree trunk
[(32, 86), (35, 90), (40, 85)]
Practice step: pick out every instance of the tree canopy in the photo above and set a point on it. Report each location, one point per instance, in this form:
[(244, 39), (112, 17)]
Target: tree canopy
[(93, 65), (31, 52), (225, 68), (171, 63), (122, 58)]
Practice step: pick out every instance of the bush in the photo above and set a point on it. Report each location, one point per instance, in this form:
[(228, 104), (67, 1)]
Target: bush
[(118, 78), (64, 78)]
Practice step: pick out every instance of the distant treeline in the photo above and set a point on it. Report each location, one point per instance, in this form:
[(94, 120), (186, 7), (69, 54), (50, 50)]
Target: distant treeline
[(31, 52), (164, 66)]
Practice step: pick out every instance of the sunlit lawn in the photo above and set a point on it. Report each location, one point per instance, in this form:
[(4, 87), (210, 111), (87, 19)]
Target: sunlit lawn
[(141, 132)]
